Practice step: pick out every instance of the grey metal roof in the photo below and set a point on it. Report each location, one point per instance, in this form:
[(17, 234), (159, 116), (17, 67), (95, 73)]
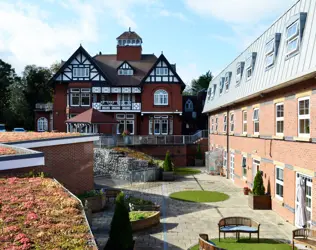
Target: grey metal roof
[(301, 65)]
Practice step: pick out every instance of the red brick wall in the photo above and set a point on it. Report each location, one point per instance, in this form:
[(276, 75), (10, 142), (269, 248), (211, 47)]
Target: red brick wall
[(70, 164), (59, 110), (290, 153), (129, 53)]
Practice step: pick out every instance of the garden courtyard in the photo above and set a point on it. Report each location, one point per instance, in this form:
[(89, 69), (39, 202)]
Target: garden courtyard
[(181, 222)]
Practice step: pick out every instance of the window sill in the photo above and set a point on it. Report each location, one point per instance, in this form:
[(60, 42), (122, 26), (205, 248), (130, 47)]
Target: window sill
[(161, 105), (307, 139), (244, 134), (224, 133), (231, 133), (255, 135), (278, 137)]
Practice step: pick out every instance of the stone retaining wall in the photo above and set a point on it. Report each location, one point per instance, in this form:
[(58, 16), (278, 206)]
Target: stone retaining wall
[(115, 164)]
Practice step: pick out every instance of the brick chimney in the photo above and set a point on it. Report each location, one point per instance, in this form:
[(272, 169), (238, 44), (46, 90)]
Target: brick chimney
[(129, 46)]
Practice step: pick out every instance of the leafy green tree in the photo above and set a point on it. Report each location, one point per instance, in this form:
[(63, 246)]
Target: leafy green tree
[(55, 67), (201, 83), (258, 187), (167, 165), (121, 236)]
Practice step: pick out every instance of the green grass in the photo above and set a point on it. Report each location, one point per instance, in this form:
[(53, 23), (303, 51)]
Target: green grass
[(186, 171), (199, 196), (246, 244), (139, 215)]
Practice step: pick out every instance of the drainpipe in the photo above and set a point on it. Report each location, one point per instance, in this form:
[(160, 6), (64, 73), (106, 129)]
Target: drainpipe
[(227, 144)]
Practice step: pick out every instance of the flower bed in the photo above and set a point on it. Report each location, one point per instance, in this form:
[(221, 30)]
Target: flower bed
[(37, 213), (143, 220), (27, 136), (7, 151), (134, 154)]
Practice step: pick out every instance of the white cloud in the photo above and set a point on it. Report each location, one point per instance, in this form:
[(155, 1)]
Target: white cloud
[(238, 11), (177, 15)]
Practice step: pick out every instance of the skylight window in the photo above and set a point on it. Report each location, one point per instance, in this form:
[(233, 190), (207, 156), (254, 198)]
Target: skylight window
[(213, 91), (250, 62), (239, 71), (221, 85), (227, 80)]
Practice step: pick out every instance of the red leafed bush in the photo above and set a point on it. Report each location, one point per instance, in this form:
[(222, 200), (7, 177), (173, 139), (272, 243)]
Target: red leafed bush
[(7, 151), (26, 136), (38, 213)]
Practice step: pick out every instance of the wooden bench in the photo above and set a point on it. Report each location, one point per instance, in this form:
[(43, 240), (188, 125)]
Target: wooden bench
[(304, 236), (206, 244), (238, 225)]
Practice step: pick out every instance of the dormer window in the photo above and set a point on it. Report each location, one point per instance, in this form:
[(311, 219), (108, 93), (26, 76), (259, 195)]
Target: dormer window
[(227, 80), (213, 91), (125, 70), (294, 33), (239, 71), (249, 64), (221, 85), (271, 50)]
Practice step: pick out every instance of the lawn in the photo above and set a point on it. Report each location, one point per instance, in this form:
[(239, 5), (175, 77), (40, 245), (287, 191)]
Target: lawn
[(7, 151), (186, 171), (26, 136), (37, 213), (140, 215), (246, 244), (199, 196)]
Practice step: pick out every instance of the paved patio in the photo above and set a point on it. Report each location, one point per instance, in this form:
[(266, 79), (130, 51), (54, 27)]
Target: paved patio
[(181, 222)]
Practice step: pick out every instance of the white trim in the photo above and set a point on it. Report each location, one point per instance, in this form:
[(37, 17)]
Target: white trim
[(22, 163), (55, 142), (157, 112), (244, 121), (278, 182), (278, 119), (232, 166), (256, 121), (231, 122), (225, 123), (303, 117)]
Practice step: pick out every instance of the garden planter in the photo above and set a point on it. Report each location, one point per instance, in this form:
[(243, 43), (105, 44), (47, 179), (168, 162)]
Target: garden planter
[(134, 207), (96, 203), (167, 176), (262, 202), (146, 223), (246, 190), (198, 162)]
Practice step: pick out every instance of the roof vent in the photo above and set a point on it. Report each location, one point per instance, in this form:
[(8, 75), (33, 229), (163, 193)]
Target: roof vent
[(100, 53)]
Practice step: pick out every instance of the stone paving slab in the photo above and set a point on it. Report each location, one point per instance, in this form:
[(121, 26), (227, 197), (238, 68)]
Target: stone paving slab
[(181, 222)]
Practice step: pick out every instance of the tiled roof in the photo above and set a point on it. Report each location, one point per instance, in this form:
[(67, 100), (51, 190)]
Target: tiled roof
[(129, 35), (92, 116), (109, 64)]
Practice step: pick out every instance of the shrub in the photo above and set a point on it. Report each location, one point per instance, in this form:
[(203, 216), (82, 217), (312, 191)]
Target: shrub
[(167, 164), (198, 155), (91, 193), (138, 201), (258, 187), (121, 237)]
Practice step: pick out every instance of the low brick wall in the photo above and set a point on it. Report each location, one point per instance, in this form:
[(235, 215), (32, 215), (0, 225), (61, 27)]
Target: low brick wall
[(71, 164), (146, 223)]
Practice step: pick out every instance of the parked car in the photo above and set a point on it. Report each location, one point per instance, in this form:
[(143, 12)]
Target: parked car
[(2, 128), (19, 130)]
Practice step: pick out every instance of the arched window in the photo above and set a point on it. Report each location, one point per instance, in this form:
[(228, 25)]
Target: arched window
[(42, 124), (188, 106), (161, 97)]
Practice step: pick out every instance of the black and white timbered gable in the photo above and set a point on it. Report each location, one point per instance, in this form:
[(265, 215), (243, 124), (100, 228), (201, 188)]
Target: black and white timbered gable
[(80, 67), (162, 72), (125, 69)]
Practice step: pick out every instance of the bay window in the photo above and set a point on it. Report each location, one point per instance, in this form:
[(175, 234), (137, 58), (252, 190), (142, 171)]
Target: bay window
[(304, 117)]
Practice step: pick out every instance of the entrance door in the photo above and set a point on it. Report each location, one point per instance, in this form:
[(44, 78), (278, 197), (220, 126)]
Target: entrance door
[(255, 168), (232, 166), (308, 197)]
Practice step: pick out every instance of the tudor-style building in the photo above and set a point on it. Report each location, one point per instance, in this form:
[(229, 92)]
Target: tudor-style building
[(142, 92)]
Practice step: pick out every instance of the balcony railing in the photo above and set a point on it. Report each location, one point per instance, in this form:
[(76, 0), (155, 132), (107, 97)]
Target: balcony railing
[(117, 105), (44, 106)]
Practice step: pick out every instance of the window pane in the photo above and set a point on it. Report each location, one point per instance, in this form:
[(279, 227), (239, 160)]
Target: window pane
[(292, 45), (279, 190), (85, 99), (157, 126), (75, 99), (245, 127), (130, 126), (256, 127), (304, 107), (270, 46), (292, 30), (304, 126), (164, 126), (245, 116), (280, 126), (280, 110), (120, 127)]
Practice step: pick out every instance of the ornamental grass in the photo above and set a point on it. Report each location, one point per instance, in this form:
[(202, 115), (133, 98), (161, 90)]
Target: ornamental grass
[(27, 136), (7, 151), (37, 213)]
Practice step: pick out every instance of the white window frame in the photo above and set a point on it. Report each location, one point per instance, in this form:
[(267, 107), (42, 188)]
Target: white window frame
[(84, 72), (225, 159), (162, 71), (85, 92), (280, 182), (150, 124), (221, 85), (279, 119), (75, 92), (188, 105), (232, 122), (225, 123), (125, 119), (304, 117), (242, 167), (227, 81), (244, 121), (216, 123), (161, 97), (232, 166), (249, 60), (212, 120), (42, 124), (256, 121), (238, 76), (293, 37), (270, 53)]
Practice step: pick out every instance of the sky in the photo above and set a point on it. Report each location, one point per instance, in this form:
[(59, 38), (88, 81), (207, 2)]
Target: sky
[(197, 35)]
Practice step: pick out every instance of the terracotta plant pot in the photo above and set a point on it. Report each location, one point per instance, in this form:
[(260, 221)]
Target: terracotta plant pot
[(246, 190), (262, 202)]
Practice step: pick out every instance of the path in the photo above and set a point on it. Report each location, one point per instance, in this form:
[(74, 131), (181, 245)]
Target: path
[(181, 222)]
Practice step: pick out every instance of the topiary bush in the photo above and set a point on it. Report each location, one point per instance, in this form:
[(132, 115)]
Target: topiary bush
[(258, 187), (121, 236), (167, 164), (198, 155)]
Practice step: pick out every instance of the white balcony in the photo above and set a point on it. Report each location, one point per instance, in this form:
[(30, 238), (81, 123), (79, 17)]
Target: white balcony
[(44, 106), (117, 106)]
